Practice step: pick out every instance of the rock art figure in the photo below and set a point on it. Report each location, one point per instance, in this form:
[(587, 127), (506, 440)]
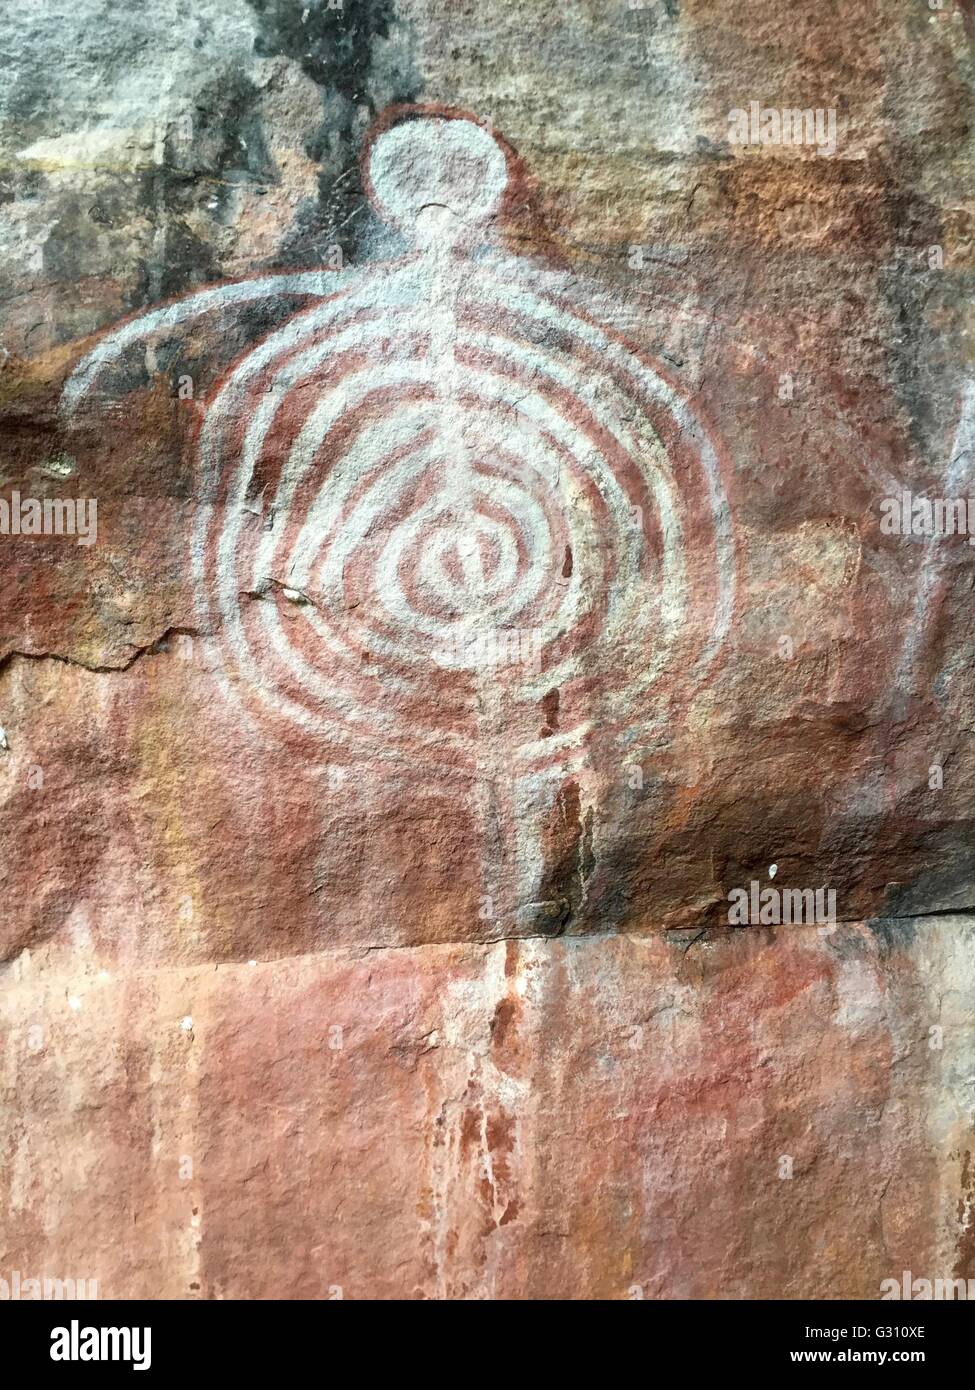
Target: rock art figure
[(482, 517)]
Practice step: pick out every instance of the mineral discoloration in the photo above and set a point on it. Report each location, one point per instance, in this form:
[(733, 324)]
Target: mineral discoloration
[(407, 1124), (489, 579)]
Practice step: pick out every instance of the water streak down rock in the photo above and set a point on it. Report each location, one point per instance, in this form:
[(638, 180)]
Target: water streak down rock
[(523, 447)]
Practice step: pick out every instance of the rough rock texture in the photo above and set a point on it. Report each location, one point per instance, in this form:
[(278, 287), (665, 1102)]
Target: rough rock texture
[(341, 956)]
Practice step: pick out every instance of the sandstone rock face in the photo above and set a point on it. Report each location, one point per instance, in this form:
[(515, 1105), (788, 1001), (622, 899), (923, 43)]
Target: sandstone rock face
[(476, 563)]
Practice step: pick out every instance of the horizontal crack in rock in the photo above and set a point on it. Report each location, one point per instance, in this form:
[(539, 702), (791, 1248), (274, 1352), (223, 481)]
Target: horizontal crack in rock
[(139, 650)]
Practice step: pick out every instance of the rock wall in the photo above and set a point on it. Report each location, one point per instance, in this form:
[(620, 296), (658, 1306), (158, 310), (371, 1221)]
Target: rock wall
[(485, 648)]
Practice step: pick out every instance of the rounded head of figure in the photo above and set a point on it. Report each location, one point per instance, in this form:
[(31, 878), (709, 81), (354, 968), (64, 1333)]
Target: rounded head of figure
[(436, 175)]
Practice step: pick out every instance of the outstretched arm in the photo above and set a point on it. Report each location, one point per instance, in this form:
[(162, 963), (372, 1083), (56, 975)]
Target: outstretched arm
[(111, 347)]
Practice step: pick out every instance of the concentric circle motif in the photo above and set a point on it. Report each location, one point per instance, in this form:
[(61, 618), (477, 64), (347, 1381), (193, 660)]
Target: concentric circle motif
[(441, 491)]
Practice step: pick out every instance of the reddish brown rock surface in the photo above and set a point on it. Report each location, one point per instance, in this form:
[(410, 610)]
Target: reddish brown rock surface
[(335, 967), (607, 1118)]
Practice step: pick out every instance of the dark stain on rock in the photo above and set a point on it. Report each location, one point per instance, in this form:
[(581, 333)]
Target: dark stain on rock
[(226, 149), (500, 1129), (550, 709), (893, 934), (510, 1213), (337, 50), (851, 943), (965, 1267), (504, 1018), (552, 916), (470, 1129), (567, 563), (568, 851)]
